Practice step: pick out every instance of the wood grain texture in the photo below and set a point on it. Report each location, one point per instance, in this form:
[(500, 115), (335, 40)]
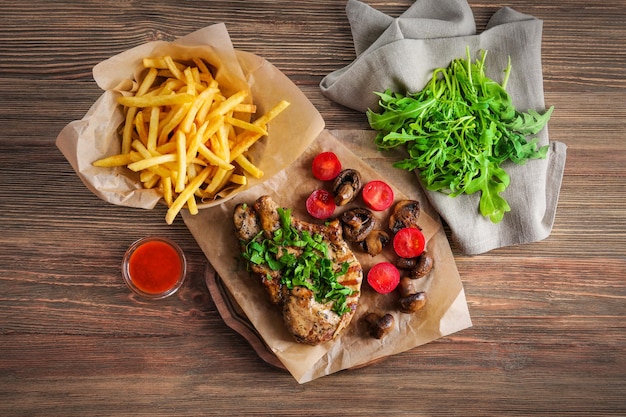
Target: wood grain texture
[(549, 334)]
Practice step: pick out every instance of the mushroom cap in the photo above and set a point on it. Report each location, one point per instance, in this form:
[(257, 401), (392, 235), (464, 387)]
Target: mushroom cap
[(405, 214)]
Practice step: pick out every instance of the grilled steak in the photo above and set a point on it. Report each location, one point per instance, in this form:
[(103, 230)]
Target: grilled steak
[(309, 316)]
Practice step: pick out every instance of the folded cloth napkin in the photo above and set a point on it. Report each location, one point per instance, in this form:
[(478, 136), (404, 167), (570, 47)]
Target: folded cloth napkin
[(401, 53)]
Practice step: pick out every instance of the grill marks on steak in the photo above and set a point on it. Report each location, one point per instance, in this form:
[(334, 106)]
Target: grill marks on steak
[(307, 320)]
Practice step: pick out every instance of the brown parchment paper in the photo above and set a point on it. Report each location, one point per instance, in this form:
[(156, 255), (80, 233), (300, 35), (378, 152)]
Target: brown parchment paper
[(446, 309), (96, 134)]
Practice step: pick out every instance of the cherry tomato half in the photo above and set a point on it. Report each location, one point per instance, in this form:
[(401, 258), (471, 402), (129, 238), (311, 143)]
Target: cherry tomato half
[(383, 277), (377, 195), (320, 204), (326, 166), (409, 242)]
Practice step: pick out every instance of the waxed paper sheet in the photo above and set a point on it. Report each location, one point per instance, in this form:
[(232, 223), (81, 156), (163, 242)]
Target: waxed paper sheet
[(96, 135), (445, 312)]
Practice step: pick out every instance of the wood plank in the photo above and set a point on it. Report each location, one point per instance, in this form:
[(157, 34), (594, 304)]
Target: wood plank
[(549, 333)]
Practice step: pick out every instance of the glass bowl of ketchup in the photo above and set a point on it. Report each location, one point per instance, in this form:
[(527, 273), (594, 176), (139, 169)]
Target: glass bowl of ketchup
[(154, 267)]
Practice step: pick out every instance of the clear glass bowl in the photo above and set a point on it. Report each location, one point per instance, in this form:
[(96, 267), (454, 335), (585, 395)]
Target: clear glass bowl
[(154, 267)]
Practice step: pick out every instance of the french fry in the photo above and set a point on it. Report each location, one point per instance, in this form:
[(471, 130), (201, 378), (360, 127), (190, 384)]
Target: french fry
[(190, 117), (192, 205), (190, 81), (228, 104), (147, 82), (152, 161), (140, 127), (153, 128), (139, 147), (216, 181), (181, 156), (239, 179), (202, 66), (152, 101), (166, 189), (275, 111), (188, 192), (222, 138), (245, 125), (185, 137), (245, 108), (127, 134), (214, 159), (248, 166), (151, 180), (177, 117), (171, 65), (119, 160)]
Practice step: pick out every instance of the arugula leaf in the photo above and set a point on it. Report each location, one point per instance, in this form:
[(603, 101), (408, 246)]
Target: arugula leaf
[(310, 268), (491, 181), (459, 130), (530, 123)]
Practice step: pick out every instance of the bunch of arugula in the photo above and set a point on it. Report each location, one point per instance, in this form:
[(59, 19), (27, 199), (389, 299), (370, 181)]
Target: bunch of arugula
[(459, 130), (309, 265)]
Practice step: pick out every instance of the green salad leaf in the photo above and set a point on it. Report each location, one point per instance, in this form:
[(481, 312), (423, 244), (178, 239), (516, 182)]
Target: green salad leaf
[(459, 130), (304, 261)]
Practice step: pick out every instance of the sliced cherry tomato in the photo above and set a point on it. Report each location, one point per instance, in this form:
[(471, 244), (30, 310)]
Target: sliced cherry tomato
[(320, 204), (409, 242), (377, 195), (383, 277), (326, 166)]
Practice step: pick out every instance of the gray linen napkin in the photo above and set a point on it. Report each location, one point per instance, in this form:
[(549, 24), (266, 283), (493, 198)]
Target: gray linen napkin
[(401, 53)]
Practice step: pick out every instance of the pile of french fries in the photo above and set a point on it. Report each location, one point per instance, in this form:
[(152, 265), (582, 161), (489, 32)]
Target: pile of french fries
[(184, 137)]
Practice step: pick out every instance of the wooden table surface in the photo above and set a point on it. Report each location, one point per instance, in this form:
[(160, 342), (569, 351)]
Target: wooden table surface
[(549, 333)]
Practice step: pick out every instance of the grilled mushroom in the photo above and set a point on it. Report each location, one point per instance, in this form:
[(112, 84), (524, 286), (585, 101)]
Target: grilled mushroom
[(424, 264), (346, 186), (406, 263), (405, 214), (375, 241), (407, 287), (357, 223), (379, 326), (412, 302)]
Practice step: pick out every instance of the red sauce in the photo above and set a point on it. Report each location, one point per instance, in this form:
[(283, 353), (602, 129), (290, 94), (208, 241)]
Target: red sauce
[(155, 267)]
